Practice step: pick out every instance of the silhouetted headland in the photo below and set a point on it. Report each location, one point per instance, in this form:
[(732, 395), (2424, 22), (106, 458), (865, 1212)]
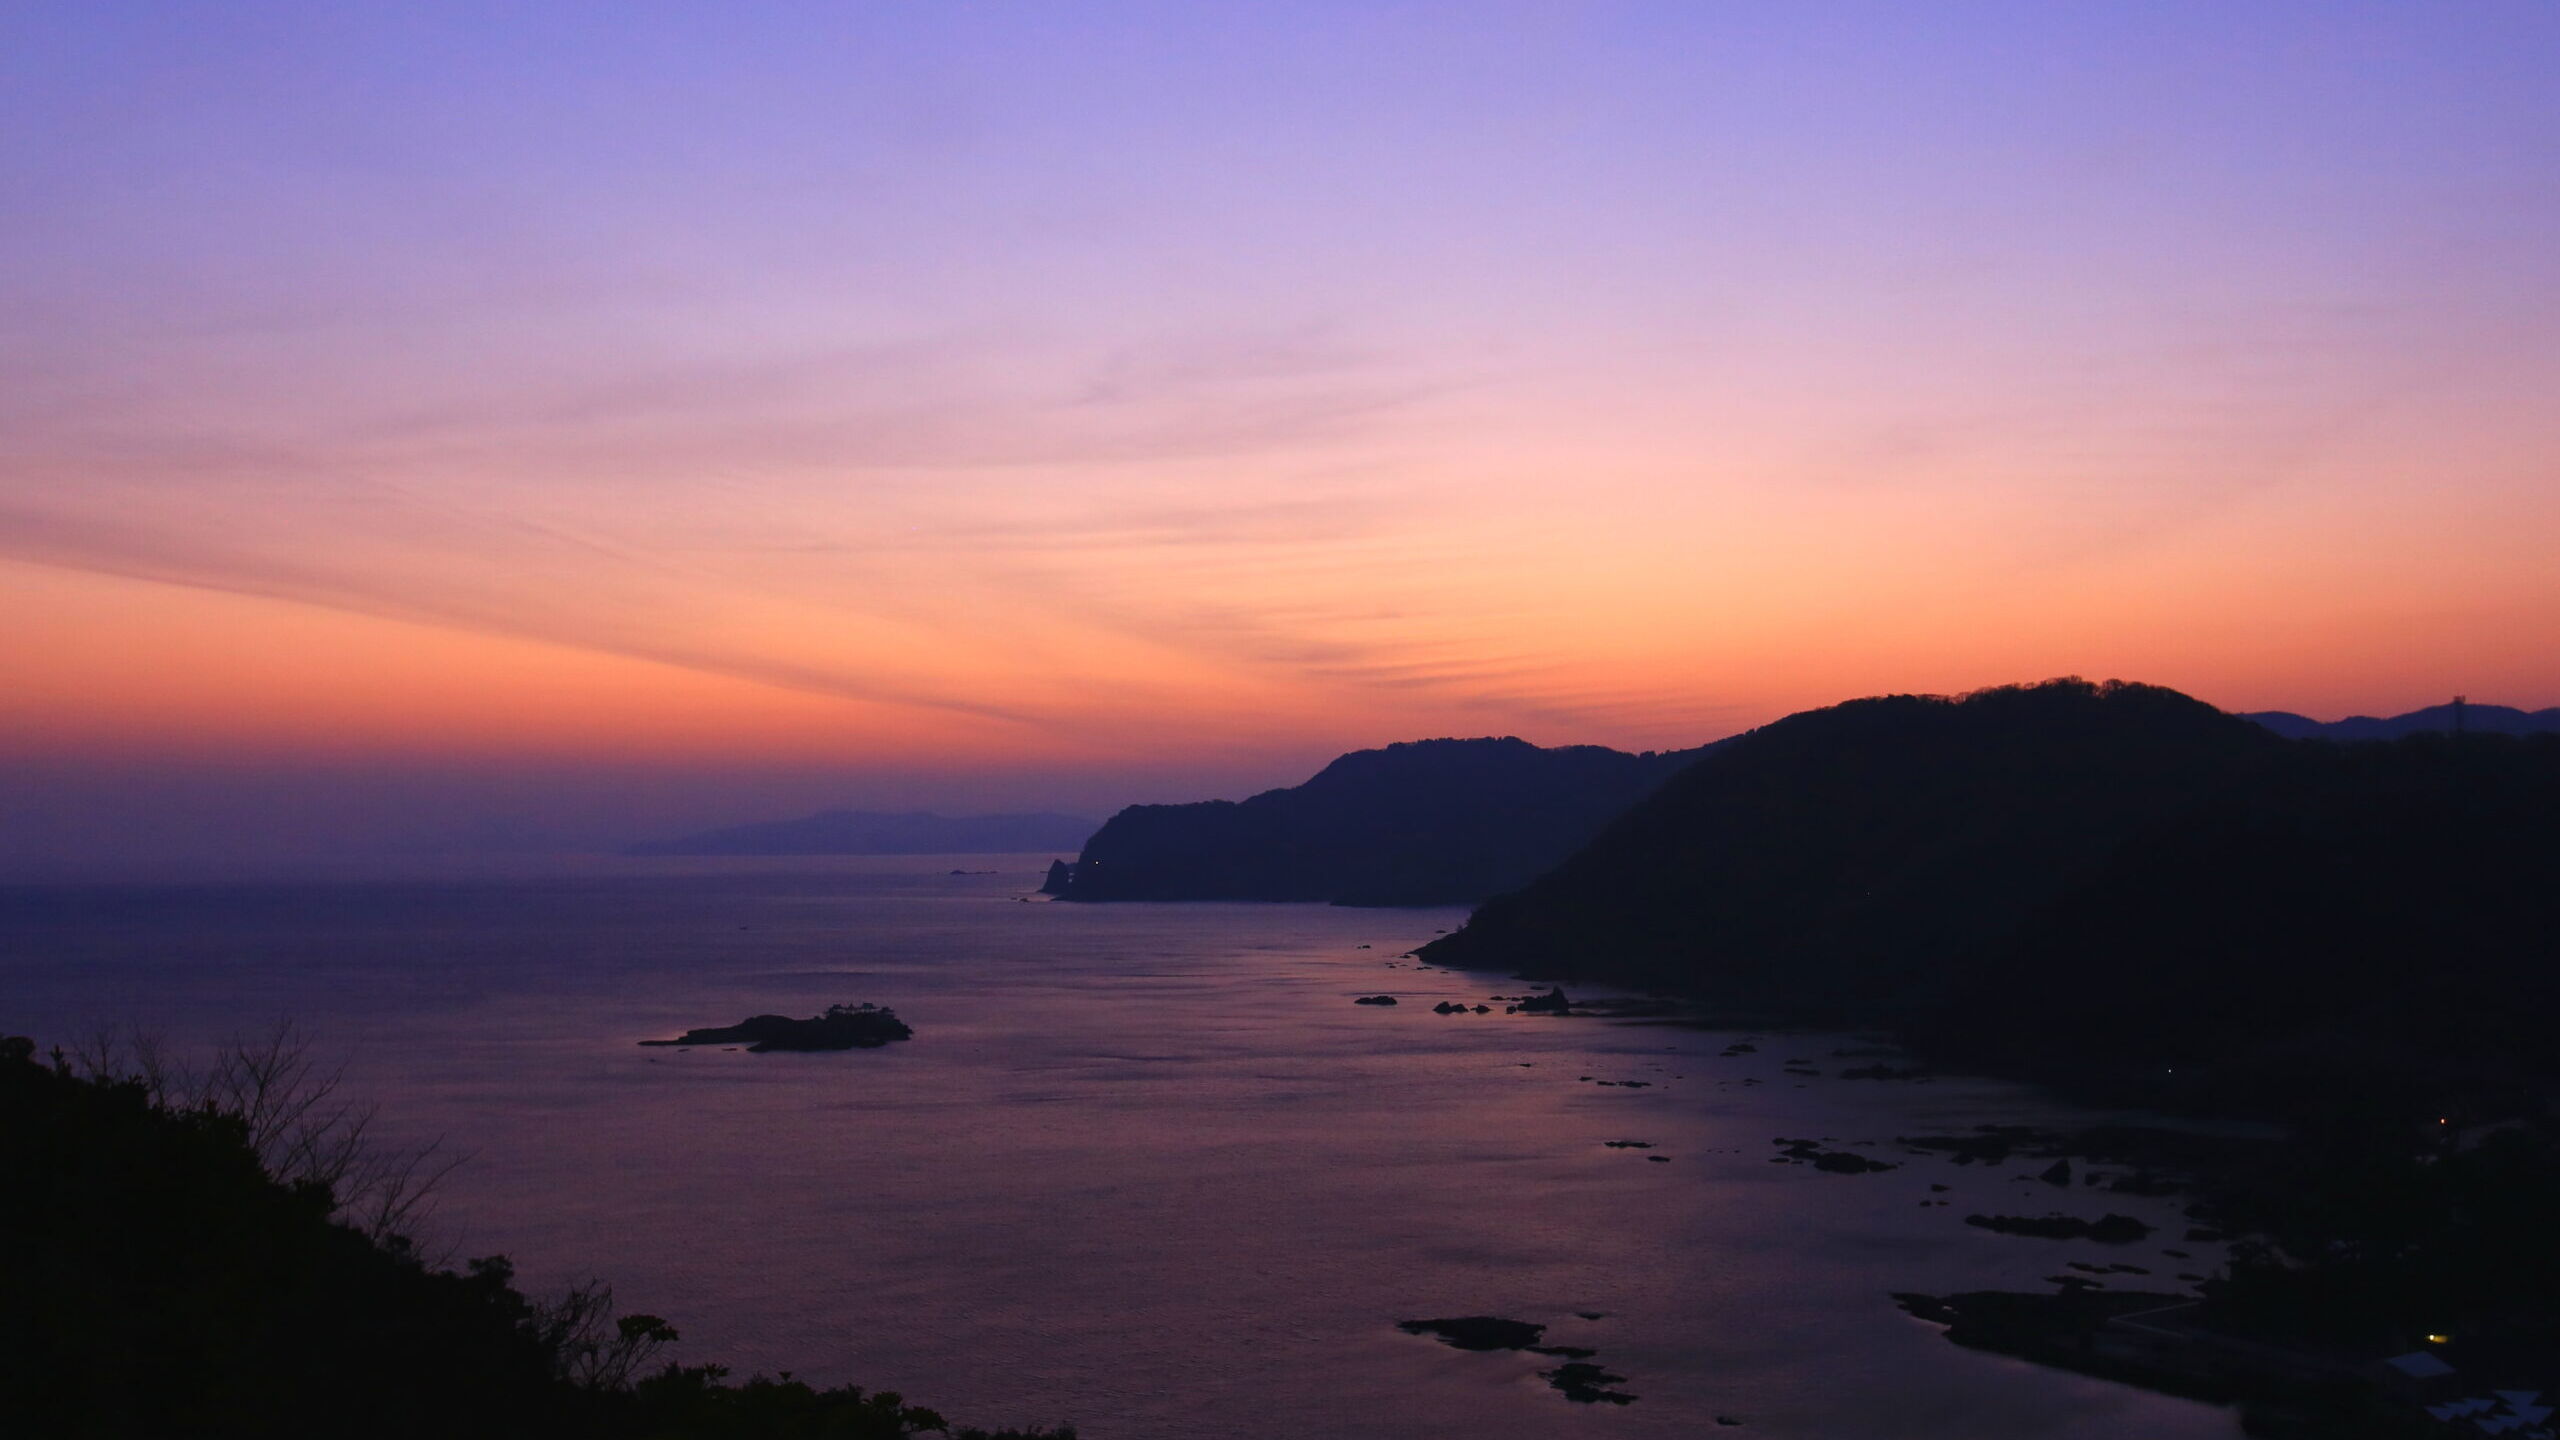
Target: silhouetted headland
[(2111, 887), (1425, 822)]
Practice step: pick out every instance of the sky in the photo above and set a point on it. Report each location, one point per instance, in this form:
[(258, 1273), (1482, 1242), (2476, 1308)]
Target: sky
[(498, 424)]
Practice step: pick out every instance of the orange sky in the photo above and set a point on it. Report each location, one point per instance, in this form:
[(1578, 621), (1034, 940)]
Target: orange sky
[(992, 409)]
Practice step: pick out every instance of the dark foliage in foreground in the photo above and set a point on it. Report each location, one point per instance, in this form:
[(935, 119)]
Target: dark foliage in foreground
[(2111, 887), (156, 1280)]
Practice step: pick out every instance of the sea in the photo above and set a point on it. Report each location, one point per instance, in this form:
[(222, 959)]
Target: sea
[(1143, 1168)]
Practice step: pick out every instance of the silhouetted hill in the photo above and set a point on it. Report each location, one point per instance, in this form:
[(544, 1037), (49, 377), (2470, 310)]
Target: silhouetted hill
[(2374, 920), (1831, 863), (2476, 720), (1426, 822), (158, 1279), (2085, 883), (868, 832)]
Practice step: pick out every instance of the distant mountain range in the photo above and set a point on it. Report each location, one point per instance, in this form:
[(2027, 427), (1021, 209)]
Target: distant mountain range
[(2477, 719), (871, 832), (1426, 822)]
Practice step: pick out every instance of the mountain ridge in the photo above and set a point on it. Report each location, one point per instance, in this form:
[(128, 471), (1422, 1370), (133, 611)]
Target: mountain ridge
[(1417, 822), (2434, 719), (2100, 886)]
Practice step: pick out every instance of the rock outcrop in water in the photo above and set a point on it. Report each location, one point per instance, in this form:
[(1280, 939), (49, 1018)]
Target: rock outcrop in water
[(1477, 1332), (843, 1027), (1577, 1379), (2106, 1230)]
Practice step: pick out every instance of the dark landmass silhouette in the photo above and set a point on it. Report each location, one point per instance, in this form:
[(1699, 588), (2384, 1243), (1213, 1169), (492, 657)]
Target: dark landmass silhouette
[(2113, 888), (157, 1278), (2355, 1240), (871, 832), (2474, 719), (2130, 896), (1424, 822), (842, 1027)]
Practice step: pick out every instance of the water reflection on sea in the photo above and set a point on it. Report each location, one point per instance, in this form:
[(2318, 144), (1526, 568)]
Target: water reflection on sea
[(1144, 1168)]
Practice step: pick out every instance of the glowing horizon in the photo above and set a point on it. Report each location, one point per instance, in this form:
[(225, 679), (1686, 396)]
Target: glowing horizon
[(1021, 401)]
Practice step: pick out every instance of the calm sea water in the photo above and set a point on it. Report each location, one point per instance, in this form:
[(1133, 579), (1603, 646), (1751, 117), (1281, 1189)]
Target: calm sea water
[(1144, 1168)]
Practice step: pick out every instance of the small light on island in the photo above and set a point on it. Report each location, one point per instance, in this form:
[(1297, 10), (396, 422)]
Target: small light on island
[(2439, 1339)]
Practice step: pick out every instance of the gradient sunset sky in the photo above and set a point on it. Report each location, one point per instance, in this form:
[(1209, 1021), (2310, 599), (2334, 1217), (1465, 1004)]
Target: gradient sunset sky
[(515, 424)]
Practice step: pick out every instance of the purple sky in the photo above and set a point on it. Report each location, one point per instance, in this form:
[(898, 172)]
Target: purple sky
[(588, 418)]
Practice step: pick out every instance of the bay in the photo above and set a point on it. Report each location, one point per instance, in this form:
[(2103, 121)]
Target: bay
[(1144, 1168)]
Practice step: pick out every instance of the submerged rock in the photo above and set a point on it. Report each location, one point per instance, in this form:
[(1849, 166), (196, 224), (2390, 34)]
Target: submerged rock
[(1834, 1162), (1841, 1162), (1578, 1378), (2106, 1230), (1585, 1383), (1375, 1000)]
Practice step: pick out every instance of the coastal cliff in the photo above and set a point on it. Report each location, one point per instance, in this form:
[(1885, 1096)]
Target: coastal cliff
[(1428, 822), (2112, 887)]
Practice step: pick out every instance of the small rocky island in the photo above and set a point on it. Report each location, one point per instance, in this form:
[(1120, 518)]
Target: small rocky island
[(1577, 1379), (843, 1027)]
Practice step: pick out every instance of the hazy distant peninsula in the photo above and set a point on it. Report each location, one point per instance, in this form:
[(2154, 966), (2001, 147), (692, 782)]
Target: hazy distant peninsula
[(2435, 719), (871, 832), (1426, 822)]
